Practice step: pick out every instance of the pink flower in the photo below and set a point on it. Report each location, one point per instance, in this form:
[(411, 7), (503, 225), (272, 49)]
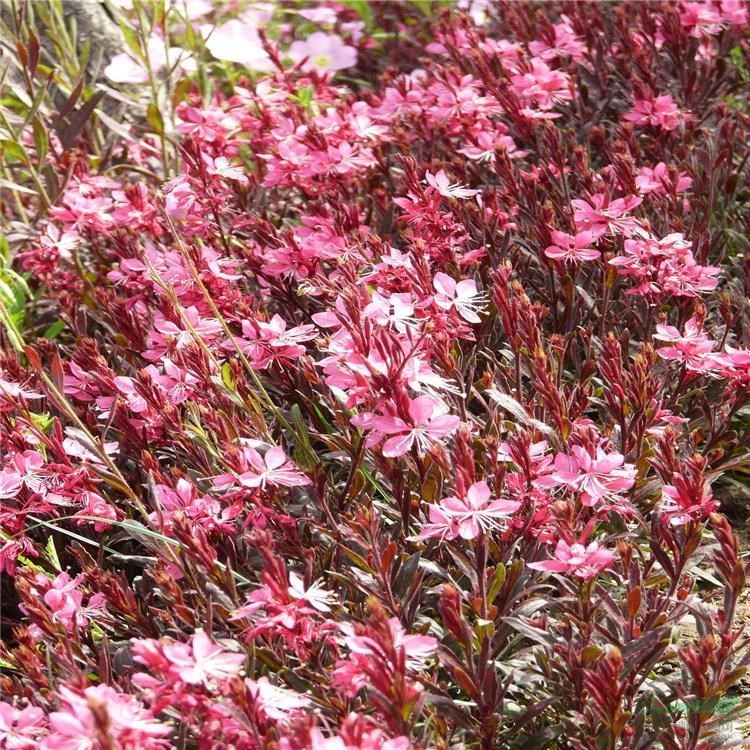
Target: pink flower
[(315, 595), (664, 266), (199, 662), (323, 52), (238, 41), (584, 562), (467, 517), (660, 112), (10, 483), (78, 725), (430, 422), (368, 652), (684, 501), (462, 296), (601, 215), (565, 43), (20, 728), (273, 702), (541, 87), (64, 600), (396, 310), (440, 182), (691, 348), (575, 248), (595, 477), (657, 180), (222, 167), (124, 68), (256, 471)]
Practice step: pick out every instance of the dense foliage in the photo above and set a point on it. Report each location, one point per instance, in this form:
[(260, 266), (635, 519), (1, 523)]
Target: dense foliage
[(374, 376)]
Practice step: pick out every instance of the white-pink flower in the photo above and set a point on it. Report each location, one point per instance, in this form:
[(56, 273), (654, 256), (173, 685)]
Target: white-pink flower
[(20, 728), (315, 595), (238, 41), (274, 702), (594, 476), (199, 662), (463, 296), (125, 68), (577, 559), (573, 247), (440, 182), (322, 52), (469, 516), (430, 421), (256, 471)]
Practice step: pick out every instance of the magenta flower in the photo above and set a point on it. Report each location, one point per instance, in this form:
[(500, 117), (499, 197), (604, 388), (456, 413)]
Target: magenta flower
[(595, 477), (430, 421), (467, 517), (573, 247), (323, 52), (576, 559)]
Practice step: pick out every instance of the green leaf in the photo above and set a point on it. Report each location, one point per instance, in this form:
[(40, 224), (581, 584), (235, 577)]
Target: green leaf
[(53, 331), (131, 39), (52, 554), (14, 151), (154, 118)]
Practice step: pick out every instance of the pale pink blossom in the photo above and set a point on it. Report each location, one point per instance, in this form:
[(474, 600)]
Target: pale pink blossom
[(565, 43), (577, 559), (595, 477), (21, 728), (198, 662), (575, 248), (321, 15), (469, 516), (540, 87), (660, 112), (352, 674), (602, 215), (315, 595), (462, 296), (274, 702), (430, 421), (323, 52), (440, 182), (657, 180), (126, 68), (238, 41), (683, 502), (78, 723), (691, 347), (256, 471)]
